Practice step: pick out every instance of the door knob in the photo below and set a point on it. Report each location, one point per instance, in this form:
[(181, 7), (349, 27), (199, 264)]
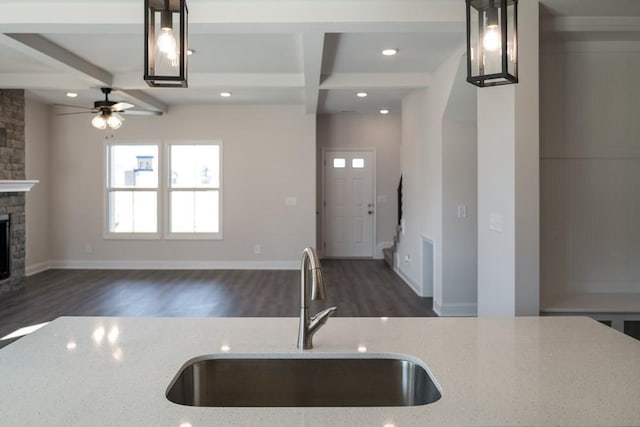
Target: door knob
[(370, 212)]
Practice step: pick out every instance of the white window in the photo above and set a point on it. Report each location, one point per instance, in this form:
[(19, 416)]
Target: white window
[(194, 190), (132, 189), (179, 196)]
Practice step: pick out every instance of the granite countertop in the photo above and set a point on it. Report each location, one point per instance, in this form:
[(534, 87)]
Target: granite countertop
[(536, 371)]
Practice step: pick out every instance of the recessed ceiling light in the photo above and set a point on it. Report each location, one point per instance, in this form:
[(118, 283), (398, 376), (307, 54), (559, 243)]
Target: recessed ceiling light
[(72, 94), (384, 111), (389, 52), (361, 94), (225, 94), (190, 52)]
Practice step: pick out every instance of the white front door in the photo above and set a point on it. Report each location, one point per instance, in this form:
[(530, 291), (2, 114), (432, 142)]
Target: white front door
[(348, 204)]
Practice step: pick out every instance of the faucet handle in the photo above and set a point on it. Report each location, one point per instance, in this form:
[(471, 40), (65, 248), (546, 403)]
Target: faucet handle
[(324, 314)]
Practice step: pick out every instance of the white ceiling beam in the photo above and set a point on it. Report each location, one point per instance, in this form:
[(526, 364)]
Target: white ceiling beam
[(311, 77), (222, 80), (376, 80), (141, 99), (47, 52), (39, 81), (312, 49)]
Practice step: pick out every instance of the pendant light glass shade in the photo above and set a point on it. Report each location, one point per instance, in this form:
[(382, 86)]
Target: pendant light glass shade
[(492, 42), (165, 43)]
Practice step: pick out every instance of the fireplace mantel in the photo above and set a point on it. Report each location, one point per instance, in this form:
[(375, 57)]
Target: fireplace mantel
[(16, 186)]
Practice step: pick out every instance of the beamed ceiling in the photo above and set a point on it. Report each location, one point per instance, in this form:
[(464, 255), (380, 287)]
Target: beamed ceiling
[(315, 53)]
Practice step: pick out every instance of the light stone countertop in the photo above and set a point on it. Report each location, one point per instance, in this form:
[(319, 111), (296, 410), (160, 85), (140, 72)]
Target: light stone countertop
[(110, 371)]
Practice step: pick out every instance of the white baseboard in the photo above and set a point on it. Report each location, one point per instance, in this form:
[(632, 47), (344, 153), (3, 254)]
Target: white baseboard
[(408, 281), (32, 269), (455, 310), (174, 265), (379, 247)]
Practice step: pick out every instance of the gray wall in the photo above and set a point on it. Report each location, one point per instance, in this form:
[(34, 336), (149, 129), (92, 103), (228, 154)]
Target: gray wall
[(37, 136), (459, 190), (438, 166), (268, 156)]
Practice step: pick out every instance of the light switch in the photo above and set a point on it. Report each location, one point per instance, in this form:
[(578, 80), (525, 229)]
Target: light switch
[(495, 222), (382, 198), (291, 201), (462, 211)]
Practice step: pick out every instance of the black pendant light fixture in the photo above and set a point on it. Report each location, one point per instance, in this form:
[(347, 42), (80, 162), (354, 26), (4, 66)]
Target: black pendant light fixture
[(165, 43), (492, 42)]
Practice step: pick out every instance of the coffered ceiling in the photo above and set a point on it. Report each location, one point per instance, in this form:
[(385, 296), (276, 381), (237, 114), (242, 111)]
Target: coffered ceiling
[(316, 53)]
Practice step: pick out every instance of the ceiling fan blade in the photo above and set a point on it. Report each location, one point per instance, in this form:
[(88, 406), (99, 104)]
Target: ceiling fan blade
[(141, 112), (79, 112), (118, 115), (71, 106), (121, 106)]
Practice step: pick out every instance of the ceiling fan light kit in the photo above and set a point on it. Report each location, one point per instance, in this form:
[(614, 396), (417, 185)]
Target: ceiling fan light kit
[(108, 112), (103, 120), (165, 43)]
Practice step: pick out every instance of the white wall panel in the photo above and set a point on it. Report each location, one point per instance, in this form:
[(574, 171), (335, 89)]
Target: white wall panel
[(590, 168)]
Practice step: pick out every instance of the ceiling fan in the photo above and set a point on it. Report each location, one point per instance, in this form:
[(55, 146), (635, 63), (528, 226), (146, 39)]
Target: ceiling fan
[(109, 113)]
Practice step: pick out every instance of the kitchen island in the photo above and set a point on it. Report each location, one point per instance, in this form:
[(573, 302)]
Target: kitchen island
[(536, 371)]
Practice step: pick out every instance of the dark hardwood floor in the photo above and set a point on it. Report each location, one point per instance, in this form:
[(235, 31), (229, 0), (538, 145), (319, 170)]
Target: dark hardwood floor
[(362, 288)]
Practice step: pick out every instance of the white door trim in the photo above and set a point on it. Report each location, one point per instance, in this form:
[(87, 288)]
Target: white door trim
[(324, 151)]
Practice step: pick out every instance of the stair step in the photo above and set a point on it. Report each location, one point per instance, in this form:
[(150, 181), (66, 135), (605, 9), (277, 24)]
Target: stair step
[(388, 256)]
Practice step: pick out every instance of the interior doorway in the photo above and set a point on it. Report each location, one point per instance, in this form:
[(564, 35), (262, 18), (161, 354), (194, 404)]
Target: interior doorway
[(348, 203)]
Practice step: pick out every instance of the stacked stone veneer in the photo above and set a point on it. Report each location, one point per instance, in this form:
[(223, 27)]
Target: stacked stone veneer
[(12, 167)]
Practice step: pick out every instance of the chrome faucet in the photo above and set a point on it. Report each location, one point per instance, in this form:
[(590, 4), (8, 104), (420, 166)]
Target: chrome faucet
[(309, 325)]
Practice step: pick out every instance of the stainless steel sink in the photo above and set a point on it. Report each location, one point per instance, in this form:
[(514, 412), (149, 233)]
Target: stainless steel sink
[(285, 381)]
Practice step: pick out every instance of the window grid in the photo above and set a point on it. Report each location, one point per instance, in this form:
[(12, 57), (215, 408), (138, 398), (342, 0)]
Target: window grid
[(194, 190), (178, 208), (132, 193)]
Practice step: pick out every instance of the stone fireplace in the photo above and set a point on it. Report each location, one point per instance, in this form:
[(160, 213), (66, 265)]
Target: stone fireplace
[(12, 167)]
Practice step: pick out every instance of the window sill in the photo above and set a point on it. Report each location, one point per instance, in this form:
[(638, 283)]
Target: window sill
[(132, 236), (194, 236)]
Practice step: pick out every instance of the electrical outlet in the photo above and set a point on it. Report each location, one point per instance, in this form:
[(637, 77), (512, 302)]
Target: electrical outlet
[(462, 211), (407, 259), (257, 249), (88, 249)]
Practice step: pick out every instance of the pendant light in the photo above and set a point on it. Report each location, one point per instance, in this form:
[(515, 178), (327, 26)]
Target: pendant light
[(165, 46), (492, 42)]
